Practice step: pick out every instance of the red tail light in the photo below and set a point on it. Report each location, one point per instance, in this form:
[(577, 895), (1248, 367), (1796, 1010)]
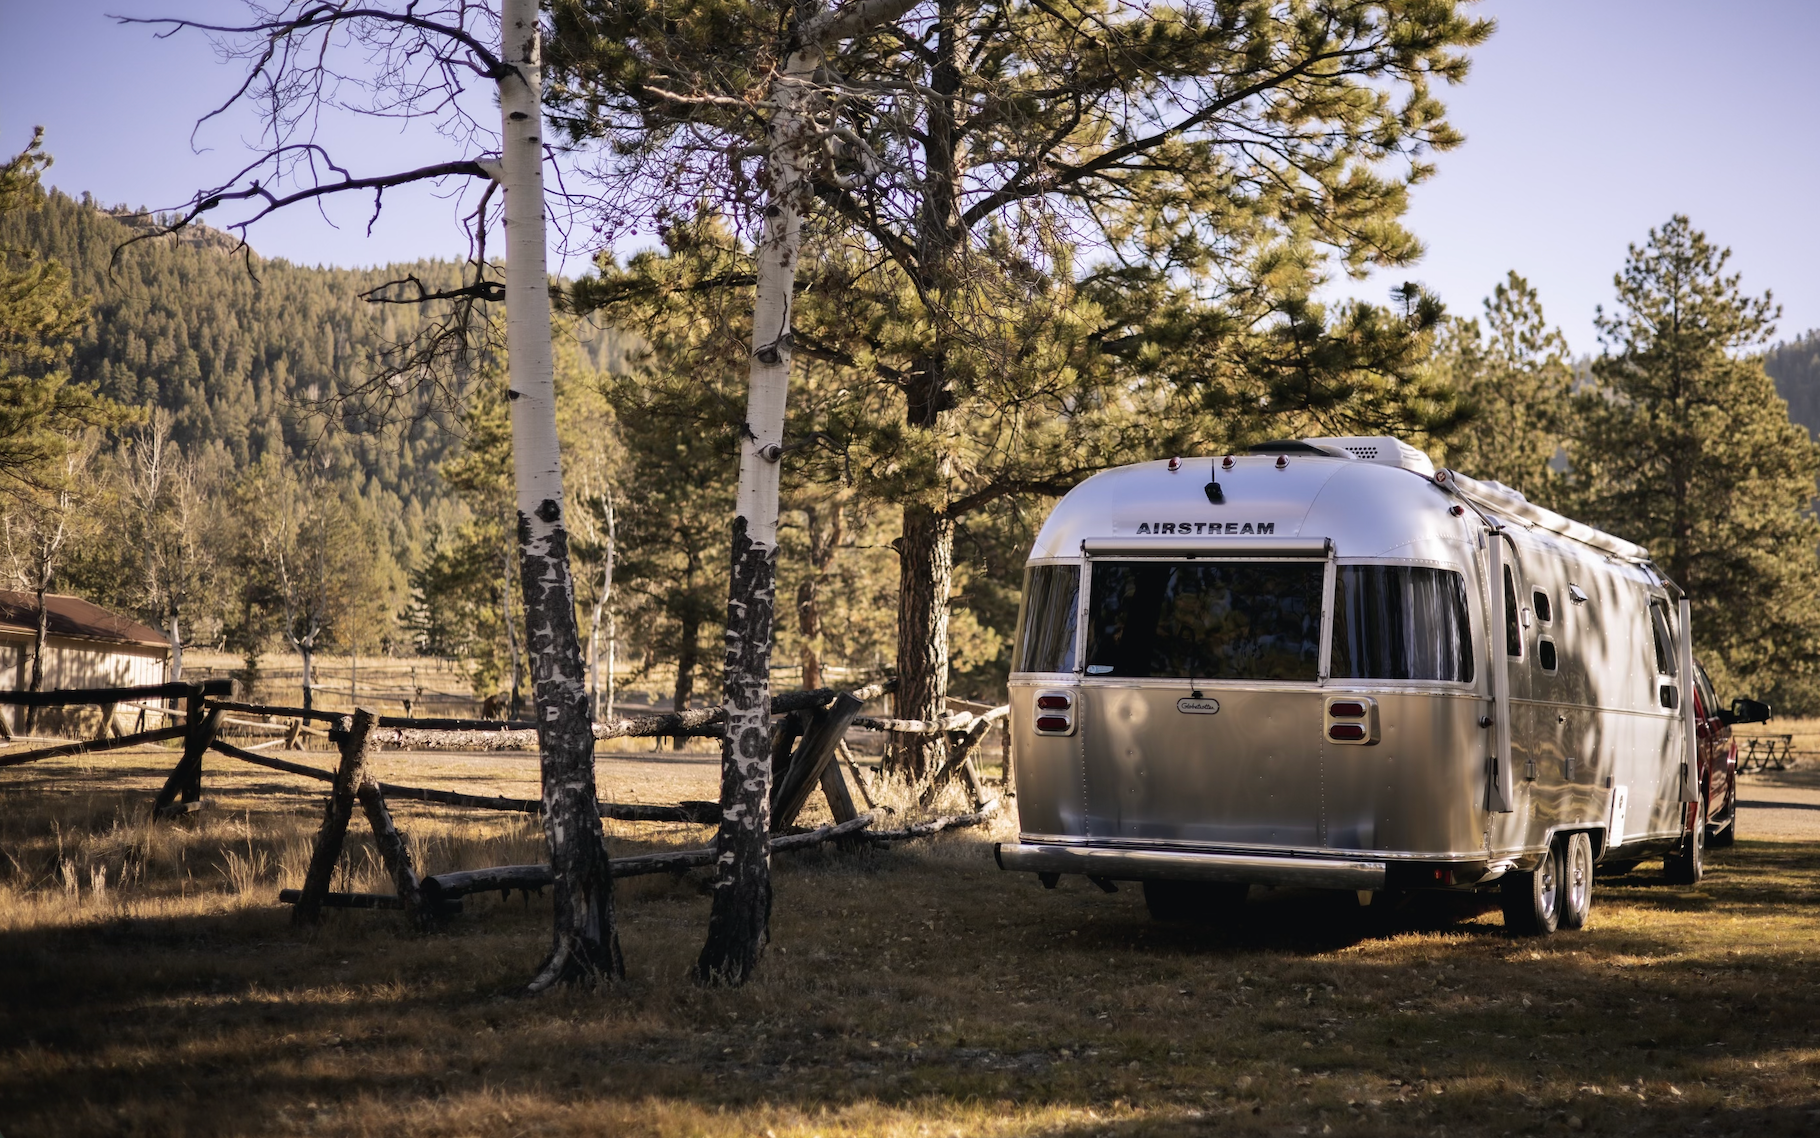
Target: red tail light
[(1054, 702), (1346, 710), (1052, 723), (1344, 732)]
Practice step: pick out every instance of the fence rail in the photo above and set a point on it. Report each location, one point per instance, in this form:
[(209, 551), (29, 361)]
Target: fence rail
[(808, 743)]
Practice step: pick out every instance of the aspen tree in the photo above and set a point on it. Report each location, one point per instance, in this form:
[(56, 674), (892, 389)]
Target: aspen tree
[(417, 58)]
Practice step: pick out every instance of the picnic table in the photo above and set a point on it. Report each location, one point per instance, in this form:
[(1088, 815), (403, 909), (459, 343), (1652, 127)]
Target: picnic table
[(1761, 753)]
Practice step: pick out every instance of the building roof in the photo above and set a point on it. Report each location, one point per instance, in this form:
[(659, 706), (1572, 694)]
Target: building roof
[(72, 618)]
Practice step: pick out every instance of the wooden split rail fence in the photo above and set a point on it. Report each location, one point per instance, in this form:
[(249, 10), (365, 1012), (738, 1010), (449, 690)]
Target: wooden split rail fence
[(808, 745)]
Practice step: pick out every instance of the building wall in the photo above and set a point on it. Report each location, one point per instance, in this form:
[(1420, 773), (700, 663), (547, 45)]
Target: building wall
[(78, 664)]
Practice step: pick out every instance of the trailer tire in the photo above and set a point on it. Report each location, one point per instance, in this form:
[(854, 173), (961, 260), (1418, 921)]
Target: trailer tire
[(1687, 865), (1193, 902), (1532, 899), (1576, 880)]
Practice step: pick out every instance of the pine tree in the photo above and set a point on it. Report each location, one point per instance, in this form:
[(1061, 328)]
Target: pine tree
[(1795, 366), (42, 413), (1685, 447), (1217, 157), (1517, 388)]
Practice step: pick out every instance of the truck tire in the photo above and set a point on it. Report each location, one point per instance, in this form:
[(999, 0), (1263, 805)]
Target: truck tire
[(1687, 865), (1532, 900), (1192, 902), (1576, 880)]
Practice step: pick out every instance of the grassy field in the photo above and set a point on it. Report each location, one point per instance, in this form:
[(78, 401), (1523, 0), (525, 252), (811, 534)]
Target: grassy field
[(148, 985)]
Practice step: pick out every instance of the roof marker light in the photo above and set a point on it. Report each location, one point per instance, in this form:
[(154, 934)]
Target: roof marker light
[(1282, 461), (1175, 464), (1226, 462)]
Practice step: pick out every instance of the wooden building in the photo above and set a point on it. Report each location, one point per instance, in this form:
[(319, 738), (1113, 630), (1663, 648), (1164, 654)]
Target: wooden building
[(87, 647)]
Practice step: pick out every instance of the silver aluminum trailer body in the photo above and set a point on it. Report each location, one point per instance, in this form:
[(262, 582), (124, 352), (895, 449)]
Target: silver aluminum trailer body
[(1349, 738)]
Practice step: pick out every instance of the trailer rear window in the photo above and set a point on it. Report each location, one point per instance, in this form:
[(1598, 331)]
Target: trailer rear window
[(1045, 641), (1212, 620), (1400, 622)]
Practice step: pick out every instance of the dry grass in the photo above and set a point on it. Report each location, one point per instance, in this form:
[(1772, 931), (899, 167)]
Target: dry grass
[(1804, 734), (915, 992)]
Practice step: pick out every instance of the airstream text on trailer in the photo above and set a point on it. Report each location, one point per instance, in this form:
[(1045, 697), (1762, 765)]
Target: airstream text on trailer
[(1325, 663)]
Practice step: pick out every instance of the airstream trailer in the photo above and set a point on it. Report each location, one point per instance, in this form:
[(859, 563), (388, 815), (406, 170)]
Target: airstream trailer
[(1326, 663)]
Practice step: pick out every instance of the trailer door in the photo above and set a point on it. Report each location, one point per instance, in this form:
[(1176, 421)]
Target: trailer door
[(1202, 701)]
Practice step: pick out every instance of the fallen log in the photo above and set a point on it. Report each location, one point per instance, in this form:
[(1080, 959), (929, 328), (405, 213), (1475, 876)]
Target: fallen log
[(504, 878), (89, 746), (364, 901), (900, 726), (936, 825)]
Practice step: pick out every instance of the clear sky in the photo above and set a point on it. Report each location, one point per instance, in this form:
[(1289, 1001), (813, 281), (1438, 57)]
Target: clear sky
[(1587, 122)]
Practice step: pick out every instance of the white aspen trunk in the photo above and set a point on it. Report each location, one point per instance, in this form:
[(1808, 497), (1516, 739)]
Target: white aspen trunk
[(305, 649), (600, 604), (612, 617), (584, 945), (739, 919), (176, 639), (612, 660)]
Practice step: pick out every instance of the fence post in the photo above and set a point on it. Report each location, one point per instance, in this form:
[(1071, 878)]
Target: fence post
[(793, 783), (186, 776), (834, 789), (334, 832), (393, 850), (353, 781), (108, 711)]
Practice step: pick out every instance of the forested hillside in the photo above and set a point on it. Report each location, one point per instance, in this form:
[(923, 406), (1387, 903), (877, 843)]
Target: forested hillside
[(1795, 366), (234, 346)]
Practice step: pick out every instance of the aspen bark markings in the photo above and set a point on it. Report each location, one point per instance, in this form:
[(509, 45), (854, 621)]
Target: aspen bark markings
[(739, 921), (584, 944)]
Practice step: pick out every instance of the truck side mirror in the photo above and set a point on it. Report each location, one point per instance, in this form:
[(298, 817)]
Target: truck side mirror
[(1748, 711)]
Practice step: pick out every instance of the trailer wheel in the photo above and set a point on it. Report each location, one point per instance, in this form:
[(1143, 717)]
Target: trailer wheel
[(1576, 881), (1532, 899), (1687, 865), (1192, 902)]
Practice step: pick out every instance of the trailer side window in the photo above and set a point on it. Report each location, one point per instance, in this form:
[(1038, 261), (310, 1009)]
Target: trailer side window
[(1545, 612), (1400, 622), (1051, 601), (1665, 652), (1210, 620), (1513, 632)]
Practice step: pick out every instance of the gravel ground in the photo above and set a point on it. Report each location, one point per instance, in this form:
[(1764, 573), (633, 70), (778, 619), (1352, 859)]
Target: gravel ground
[(1781, 805)]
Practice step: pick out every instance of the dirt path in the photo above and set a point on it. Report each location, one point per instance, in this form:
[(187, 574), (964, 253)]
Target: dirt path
[(1780, 805)]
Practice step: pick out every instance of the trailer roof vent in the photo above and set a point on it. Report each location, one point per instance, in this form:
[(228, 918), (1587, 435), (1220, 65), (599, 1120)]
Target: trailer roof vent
[(1383, 450)]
